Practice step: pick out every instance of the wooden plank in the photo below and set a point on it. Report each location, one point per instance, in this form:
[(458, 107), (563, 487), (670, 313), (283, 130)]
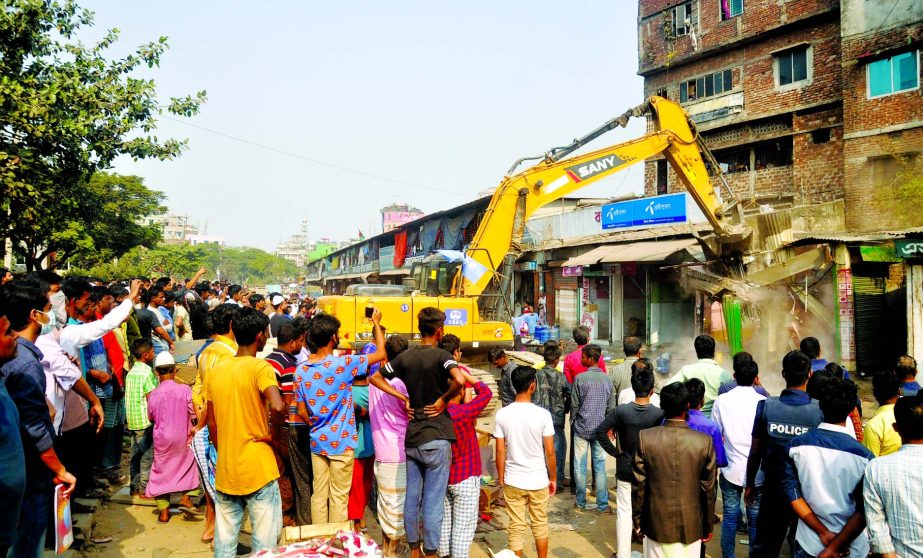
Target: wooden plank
[(809, 260), (307, 532)]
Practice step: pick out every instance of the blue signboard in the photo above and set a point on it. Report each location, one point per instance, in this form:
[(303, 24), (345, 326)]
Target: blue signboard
[(645, 211), (456, 317)]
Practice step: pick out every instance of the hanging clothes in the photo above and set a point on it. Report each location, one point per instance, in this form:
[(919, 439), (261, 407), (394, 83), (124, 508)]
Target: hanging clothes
[(452, 236), (428, 234), (400, 248)]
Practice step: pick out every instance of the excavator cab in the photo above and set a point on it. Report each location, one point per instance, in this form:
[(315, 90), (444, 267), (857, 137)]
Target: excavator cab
[(434, 275)]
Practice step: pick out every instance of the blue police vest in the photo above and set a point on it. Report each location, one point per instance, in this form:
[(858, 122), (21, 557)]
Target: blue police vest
[(784, 422)]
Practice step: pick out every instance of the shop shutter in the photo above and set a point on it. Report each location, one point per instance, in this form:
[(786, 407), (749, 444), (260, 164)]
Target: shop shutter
[(562, 282), (565, 308), (869, 296)]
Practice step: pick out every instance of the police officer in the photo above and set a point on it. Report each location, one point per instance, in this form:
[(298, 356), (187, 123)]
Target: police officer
[(778, 420)]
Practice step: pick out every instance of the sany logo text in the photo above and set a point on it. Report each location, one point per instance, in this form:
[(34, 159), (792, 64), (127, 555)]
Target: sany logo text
[(579, 173)]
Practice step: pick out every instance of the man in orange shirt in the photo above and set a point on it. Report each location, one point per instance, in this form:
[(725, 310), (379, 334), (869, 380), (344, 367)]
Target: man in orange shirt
[(237, 392)]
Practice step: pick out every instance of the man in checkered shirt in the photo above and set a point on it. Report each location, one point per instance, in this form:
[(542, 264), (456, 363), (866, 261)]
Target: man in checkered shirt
[(464, 489), (893, 487), (589, 401)]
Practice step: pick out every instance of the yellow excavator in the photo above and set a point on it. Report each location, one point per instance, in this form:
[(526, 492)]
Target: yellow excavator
[(460, 284)]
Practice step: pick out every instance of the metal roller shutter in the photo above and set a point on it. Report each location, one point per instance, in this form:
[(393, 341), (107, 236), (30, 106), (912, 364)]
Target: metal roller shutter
[(869, 295)]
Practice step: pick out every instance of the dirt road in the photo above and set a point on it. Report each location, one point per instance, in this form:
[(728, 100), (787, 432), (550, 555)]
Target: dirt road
[(136, 533)]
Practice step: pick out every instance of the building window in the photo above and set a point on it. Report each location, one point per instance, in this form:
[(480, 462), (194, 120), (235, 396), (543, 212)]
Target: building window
[(661, 176), (731, 8), (792, 65), (893, 75), (821, 135), (705, 86), (756, 156), (775, 153), (733, 160), (683, 18)]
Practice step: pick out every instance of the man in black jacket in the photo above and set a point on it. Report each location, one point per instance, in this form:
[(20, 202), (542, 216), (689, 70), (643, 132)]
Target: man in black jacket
[(673, 503), (626, 422), (552, 393)]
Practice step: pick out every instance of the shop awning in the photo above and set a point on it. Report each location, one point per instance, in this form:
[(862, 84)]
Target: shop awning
[(655, 251)]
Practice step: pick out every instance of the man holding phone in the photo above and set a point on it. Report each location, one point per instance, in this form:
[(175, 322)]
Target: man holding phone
[(425, 370), (324, 400)]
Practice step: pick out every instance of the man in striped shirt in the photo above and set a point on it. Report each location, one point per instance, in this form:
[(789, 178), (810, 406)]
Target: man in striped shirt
[(296, 461), (893, 488)]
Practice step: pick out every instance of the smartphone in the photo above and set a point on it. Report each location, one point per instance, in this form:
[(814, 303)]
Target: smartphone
[(369, 310)]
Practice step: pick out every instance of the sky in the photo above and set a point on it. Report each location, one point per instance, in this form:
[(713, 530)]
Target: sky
[(331, 110)]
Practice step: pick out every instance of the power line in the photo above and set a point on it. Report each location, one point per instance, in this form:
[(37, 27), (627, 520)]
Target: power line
[(312, 160)]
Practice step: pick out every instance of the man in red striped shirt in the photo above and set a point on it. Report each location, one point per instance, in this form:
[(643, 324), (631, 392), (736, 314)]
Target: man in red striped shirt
[(292, 441), (461, 501)]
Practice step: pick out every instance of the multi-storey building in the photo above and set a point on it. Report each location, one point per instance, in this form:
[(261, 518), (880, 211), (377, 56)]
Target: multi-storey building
[(296, 248), (763, 83), (812, 105), (882, 113), (397, 214), (802, 102), (176, 228)]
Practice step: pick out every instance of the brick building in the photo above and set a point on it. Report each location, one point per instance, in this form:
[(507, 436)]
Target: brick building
[(802, 102), (883, 113), (813, 105)]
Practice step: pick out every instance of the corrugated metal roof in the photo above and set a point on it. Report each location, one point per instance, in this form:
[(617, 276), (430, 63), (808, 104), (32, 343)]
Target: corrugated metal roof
[(843, 236), (655, 251)]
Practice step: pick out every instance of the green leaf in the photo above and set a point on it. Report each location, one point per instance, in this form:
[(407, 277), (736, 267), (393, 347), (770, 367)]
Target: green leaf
[(67, 111)]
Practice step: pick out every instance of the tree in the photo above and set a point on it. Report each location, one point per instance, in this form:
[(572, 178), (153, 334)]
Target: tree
[(117, 206), (238, 265), (66, 112)]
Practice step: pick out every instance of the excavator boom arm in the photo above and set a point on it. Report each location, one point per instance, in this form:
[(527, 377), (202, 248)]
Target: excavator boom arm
[(553, 179)]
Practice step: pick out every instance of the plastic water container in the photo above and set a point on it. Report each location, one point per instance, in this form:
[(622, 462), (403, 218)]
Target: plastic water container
[(555, 333), (541, 333)]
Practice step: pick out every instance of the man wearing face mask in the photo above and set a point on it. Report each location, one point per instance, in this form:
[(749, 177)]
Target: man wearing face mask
[(75, 432), (29, 312), (55, 294)]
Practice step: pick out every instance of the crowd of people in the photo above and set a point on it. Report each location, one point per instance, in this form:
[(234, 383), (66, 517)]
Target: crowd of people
[(310, 434), (798, 468)]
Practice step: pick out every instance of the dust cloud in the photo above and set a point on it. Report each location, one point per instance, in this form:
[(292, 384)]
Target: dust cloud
[(775, 319)]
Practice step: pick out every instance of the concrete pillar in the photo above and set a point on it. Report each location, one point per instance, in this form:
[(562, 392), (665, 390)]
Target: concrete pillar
[(915, 313), (846, 313)]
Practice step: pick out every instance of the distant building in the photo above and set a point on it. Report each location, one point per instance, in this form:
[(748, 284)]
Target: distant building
[(196, 239), (296, 248), (321, 248), (176, 228), (397, 214)]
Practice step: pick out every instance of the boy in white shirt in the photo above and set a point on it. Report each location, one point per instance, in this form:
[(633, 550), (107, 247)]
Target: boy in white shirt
[(526, 462)]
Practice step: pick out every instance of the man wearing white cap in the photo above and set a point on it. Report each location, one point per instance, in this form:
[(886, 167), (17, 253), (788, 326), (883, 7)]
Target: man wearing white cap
[(174, 468), (278, 317)]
